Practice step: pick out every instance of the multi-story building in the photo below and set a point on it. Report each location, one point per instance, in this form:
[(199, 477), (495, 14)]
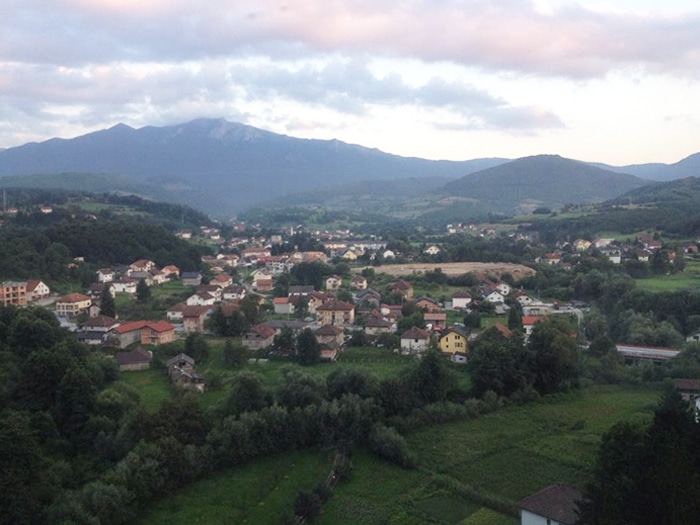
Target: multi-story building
[(13, 292)]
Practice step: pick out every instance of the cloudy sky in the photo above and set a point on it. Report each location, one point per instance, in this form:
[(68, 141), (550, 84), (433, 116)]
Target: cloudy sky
[(615, 81)]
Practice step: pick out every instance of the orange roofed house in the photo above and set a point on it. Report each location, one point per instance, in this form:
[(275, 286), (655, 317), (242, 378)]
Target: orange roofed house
[(144, 332), (72, 304)]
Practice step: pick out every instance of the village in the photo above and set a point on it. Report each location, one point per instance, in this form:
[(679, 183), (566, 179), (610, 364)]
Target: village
[(364, 306)]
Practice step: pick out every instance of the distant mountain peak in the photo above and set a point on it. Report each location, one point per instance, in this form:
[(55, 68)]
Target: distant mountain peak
[(121, 127)]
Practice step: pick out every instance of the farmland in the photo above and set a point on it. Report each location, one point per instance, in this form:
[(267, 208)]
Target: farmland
[(454, 269)]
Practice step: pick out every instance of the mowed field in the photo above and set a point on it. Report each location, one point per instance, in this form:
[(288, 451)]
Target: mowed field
[(453, 269), (468, 473)]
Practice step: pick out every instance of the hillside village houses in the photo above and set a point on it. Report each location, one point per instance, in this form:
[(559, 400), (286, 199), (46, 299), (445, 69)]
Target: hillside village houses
[(256, 267)]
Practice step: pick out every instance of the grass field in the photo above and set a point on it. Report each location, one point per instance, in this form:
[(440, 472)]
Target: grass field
[(689, 279), (257, 493), (468, 473)]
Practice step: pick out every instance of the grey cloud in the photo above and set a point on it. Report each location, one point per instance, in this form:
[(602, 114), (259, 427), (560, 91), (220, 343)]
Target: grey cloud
[(495, 35)]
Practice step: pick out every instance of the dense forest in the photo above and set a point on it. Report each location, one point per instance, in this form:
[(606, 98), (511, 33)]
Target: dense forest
[(69, 244)]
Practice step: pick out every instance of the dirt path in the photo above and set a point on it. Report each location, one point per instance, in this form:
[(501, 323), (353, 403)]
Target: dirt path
[(518, 271)]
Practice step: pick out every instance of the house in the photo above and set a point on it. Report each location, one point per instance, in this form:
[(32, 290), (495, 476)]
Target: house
[(128, 333), (264, 285), (13, 292), (337, 313), (437, 320), (283, 305), (258, 274), (201, 299), (524, 299), (403, 288), (157, 276), (553, 505), (260, 336), (493, 296), (369, 297), (96, 289), (454, 340), (94, 331), (222, 280), (504, 288), (415, 341), (193, 318), (157, 333), (426, 304), (212, 289), (392, 311), (174, 313), (377, 325), (136, 359), (550, 258), (529, 323), (141, 265), (124, 285), (315, 300), (333, 283), (37, 290), (105, 275), (358, 282), (100, 323), (431, 250), (191, 278), (146, 277), (300, 291), (144, 332), (329, 334), (182, 373), (688, 388), (349, 255), (72, 304), (461, 300), (170, 271), (233, 293)]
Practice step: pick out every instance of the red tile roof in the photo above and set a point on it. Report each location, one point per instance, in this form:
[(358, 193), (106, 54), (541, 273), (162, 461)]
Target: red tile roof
[(73, 298)]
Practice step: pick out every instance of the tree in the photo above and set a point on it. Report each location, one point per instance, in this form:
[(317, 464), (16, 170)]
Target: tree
[(299, 389), (248, 394), (499, 364), (308, 348), (285, 341), (431, 378), (234, 356), (647, 475), (555, 356), (515, 320), (196, 346), (344, 381), (143, 292), (107, 306)]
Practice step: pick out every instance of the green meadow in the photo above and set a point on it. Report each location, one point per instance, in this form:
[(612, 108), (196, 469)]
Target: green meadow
[(467, 473)]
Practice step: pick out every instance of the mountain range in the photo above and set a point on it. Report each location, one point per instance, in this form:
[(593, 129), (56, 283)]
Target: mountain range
[(222, 168)]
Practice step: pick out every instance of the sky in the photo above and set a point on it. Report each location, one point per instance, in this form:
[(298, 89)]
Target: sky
[(614, 81)]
